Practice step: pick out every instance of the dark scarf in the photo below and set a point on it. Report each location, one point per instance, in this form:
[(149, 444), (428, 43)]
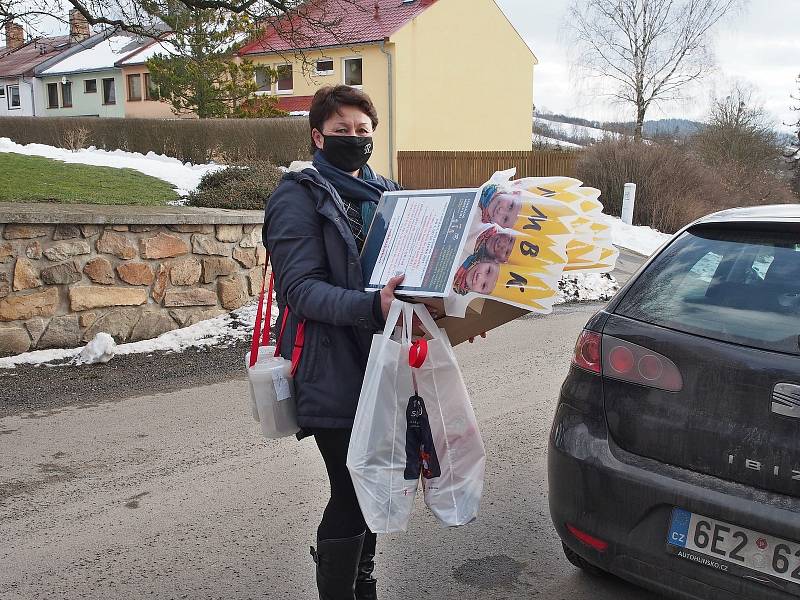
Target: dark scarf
[(362, 193)]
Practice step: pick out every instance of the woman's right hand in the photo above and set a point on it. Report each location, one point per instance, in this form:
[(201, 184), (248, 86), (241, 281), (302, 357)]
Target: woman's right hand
[(387, 293)]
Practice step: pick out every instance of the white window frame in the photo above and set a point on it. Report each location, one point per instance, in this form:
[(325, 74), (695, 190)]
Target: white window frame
[(9, 95), (344, 71), (330, 71), (113, 81), (279, 91), (47, 89), (273, 82)]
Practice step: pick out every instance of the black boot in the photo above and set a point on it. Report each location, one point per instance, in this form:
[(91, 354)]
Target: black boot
[(337, 566), (365, 582)]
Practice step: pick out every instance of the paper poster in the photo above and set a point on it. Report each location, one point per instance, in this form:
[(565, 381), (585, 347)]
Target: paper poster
[(510, 240), (420, 234)]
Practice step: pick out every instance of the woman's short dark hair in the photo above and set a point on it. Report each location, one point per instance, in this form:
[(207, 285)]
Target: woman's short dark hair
[(329, 100)]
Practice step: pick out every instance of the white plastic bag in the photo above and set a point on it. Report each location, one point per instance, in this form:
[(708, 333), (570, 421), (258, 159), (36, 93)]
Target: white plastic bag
[(272, 401), (272, 393), (454, 495), (376, 457)]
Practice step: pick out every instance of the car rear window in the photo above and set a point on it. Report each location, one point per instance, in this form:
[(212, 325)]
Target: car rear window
[(730, 285)]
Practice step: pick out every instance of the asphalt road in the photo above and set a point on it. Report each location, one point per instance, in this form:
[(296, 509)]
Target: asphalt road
[(177, 495)]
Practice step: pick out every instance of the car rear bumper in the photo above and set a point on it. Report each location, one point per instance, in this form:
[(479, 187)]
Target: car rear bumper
[(627, 501)]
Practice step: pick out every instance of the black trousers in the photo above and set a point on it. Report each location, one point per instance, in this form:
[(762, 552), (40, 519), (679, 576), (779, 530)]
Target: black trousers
[(342, 517)]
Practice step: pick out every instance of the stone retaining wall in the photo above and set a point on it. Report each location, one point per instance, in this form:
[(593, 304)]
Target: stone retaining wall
[(62, 283)]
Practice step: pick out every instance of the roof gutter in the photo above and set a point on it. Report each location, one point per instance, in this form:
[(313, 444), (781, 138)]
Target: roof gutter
[(390, 86)]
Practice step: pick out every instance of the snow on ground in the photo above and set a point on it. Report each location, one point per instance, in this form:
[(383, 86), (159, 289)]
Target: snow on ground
[(225, 329), (541, 139), (586, 287), (183, 176), (576, 131), (639, 238)]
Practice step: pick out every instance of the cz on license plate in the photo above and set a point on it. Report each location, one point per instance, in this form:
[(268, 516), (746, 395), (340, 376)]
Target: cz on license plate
[(733, 549)]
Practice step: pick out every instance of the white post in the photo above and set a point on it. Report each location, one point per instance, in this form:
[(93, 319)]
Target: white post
[(628, 200)]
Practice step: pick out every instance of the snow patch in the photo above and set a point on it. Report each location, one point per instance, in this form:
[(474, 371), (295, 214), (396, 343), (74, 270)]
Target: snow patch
[(101, 56), (183, 176), (541, 139), (639, 238), (100, 350), (576, 131), (222, 330), (586, 287)]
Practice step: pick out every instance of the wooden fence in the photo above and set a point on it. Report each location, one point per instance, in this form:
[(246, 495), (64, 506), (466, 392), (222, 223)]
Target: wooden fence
[(432, 170)]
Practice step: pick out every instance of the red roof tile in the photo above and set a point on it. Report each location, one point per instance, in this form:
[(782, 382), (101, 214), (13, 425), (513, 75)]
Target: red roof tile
[(23, 60), (294, 103), (325, 23)]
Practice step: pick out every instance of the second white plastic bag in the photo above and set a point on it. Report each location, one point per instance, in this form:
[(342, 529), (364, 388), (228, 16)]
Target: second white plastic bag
[(454, 495), (376, 457)]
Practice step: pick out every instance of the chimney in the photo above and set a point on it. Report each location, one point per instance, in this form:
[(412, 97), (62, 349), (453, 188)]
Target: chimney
[(78, 26), (15, 35)]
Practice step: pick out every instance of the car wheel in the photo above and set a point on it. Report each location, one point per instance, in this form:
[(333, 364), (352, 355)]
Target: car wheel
[(577, 560)]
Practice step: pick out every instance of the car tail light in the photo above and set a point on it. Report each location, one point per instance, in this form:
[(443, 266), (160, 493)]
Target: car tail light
[(630, 362), (587, 352), (587, 539)]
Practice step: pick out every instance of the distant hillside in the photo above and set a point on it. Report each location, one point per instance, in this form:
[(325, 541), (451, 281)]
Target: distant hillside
[(548, 124), (677, 128)]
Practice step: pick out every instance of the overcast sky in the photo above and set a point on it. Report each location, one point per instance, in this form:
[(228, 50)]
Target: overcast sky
[(760, 47)]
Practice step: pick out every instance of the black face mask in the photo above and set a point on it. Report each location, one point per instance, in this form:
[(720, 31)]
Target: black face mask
[(346, 152)]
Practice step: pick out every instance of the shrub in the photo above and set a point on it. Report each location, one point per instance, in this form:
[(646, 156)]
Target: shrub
[(75, 139), (278, 140), (673, 185), (238, 187), (259, 107)]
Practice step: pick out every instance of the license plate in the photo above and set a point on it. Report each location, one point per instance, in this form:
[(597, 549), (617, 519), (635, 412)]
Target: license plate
[(734, 549)]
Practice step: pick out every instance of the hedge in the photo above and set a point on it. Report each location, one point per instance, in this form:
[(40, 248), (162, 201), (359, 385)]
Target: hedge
[(232, 141)]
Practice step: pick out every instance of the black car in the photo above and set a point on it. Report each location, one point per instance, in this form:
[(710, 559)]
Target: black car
[(674, 458)]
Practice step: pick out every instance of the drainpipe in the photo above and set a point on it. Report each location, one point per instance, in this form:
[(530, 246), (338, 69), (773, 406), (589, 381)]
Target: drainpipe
[(390, 72), (33, 96)]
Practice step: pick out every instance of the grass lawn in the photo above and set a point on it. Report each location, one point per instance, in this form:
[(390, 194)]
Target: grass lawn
[(35, 179)]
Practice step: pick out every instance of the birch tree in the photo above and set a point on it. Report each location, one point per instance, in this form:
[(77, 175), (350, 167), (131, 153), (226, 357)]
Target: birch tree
[(646, 51)]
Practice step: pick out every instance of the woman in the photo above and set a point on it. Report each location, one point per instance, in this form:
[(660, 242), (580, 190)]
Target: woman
[(314, 228)]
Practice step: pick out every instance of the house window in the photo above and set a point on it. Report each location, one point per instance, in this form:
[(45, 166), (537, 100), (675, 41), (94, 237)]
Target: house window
[(285, 80), (2, 92), (352, 72), (66, 94), (109, 93), (263, 80), (134, 87), (52, 95), (150, 89), (90, 86), (13, 97), (325, 66)]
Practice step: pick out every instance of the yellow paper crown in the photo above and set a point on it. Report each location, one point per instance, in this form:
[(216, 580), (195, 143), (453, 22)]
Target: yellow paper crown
[(524, 285), (536, 250)]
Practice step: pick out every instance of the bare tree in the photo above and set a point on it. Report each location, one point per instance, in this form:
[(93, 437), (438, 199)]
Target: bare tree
[(739, 135), (650, 49), (792, 152), (299, 20)]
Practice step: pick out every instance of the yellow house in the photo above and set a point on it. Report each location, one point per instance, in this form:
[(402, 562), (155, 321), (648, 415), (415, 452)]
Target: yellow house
[(443, 74)]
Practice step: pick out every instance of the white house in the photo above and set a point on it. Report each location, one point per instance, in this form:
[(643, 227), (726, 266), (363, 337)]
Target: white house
[(18, 61), (85, 81)]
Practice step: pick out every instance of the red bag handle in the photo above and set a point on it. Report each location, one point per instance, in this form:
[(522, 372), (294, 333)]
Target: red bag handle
[(418, 353), (261, 329)]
